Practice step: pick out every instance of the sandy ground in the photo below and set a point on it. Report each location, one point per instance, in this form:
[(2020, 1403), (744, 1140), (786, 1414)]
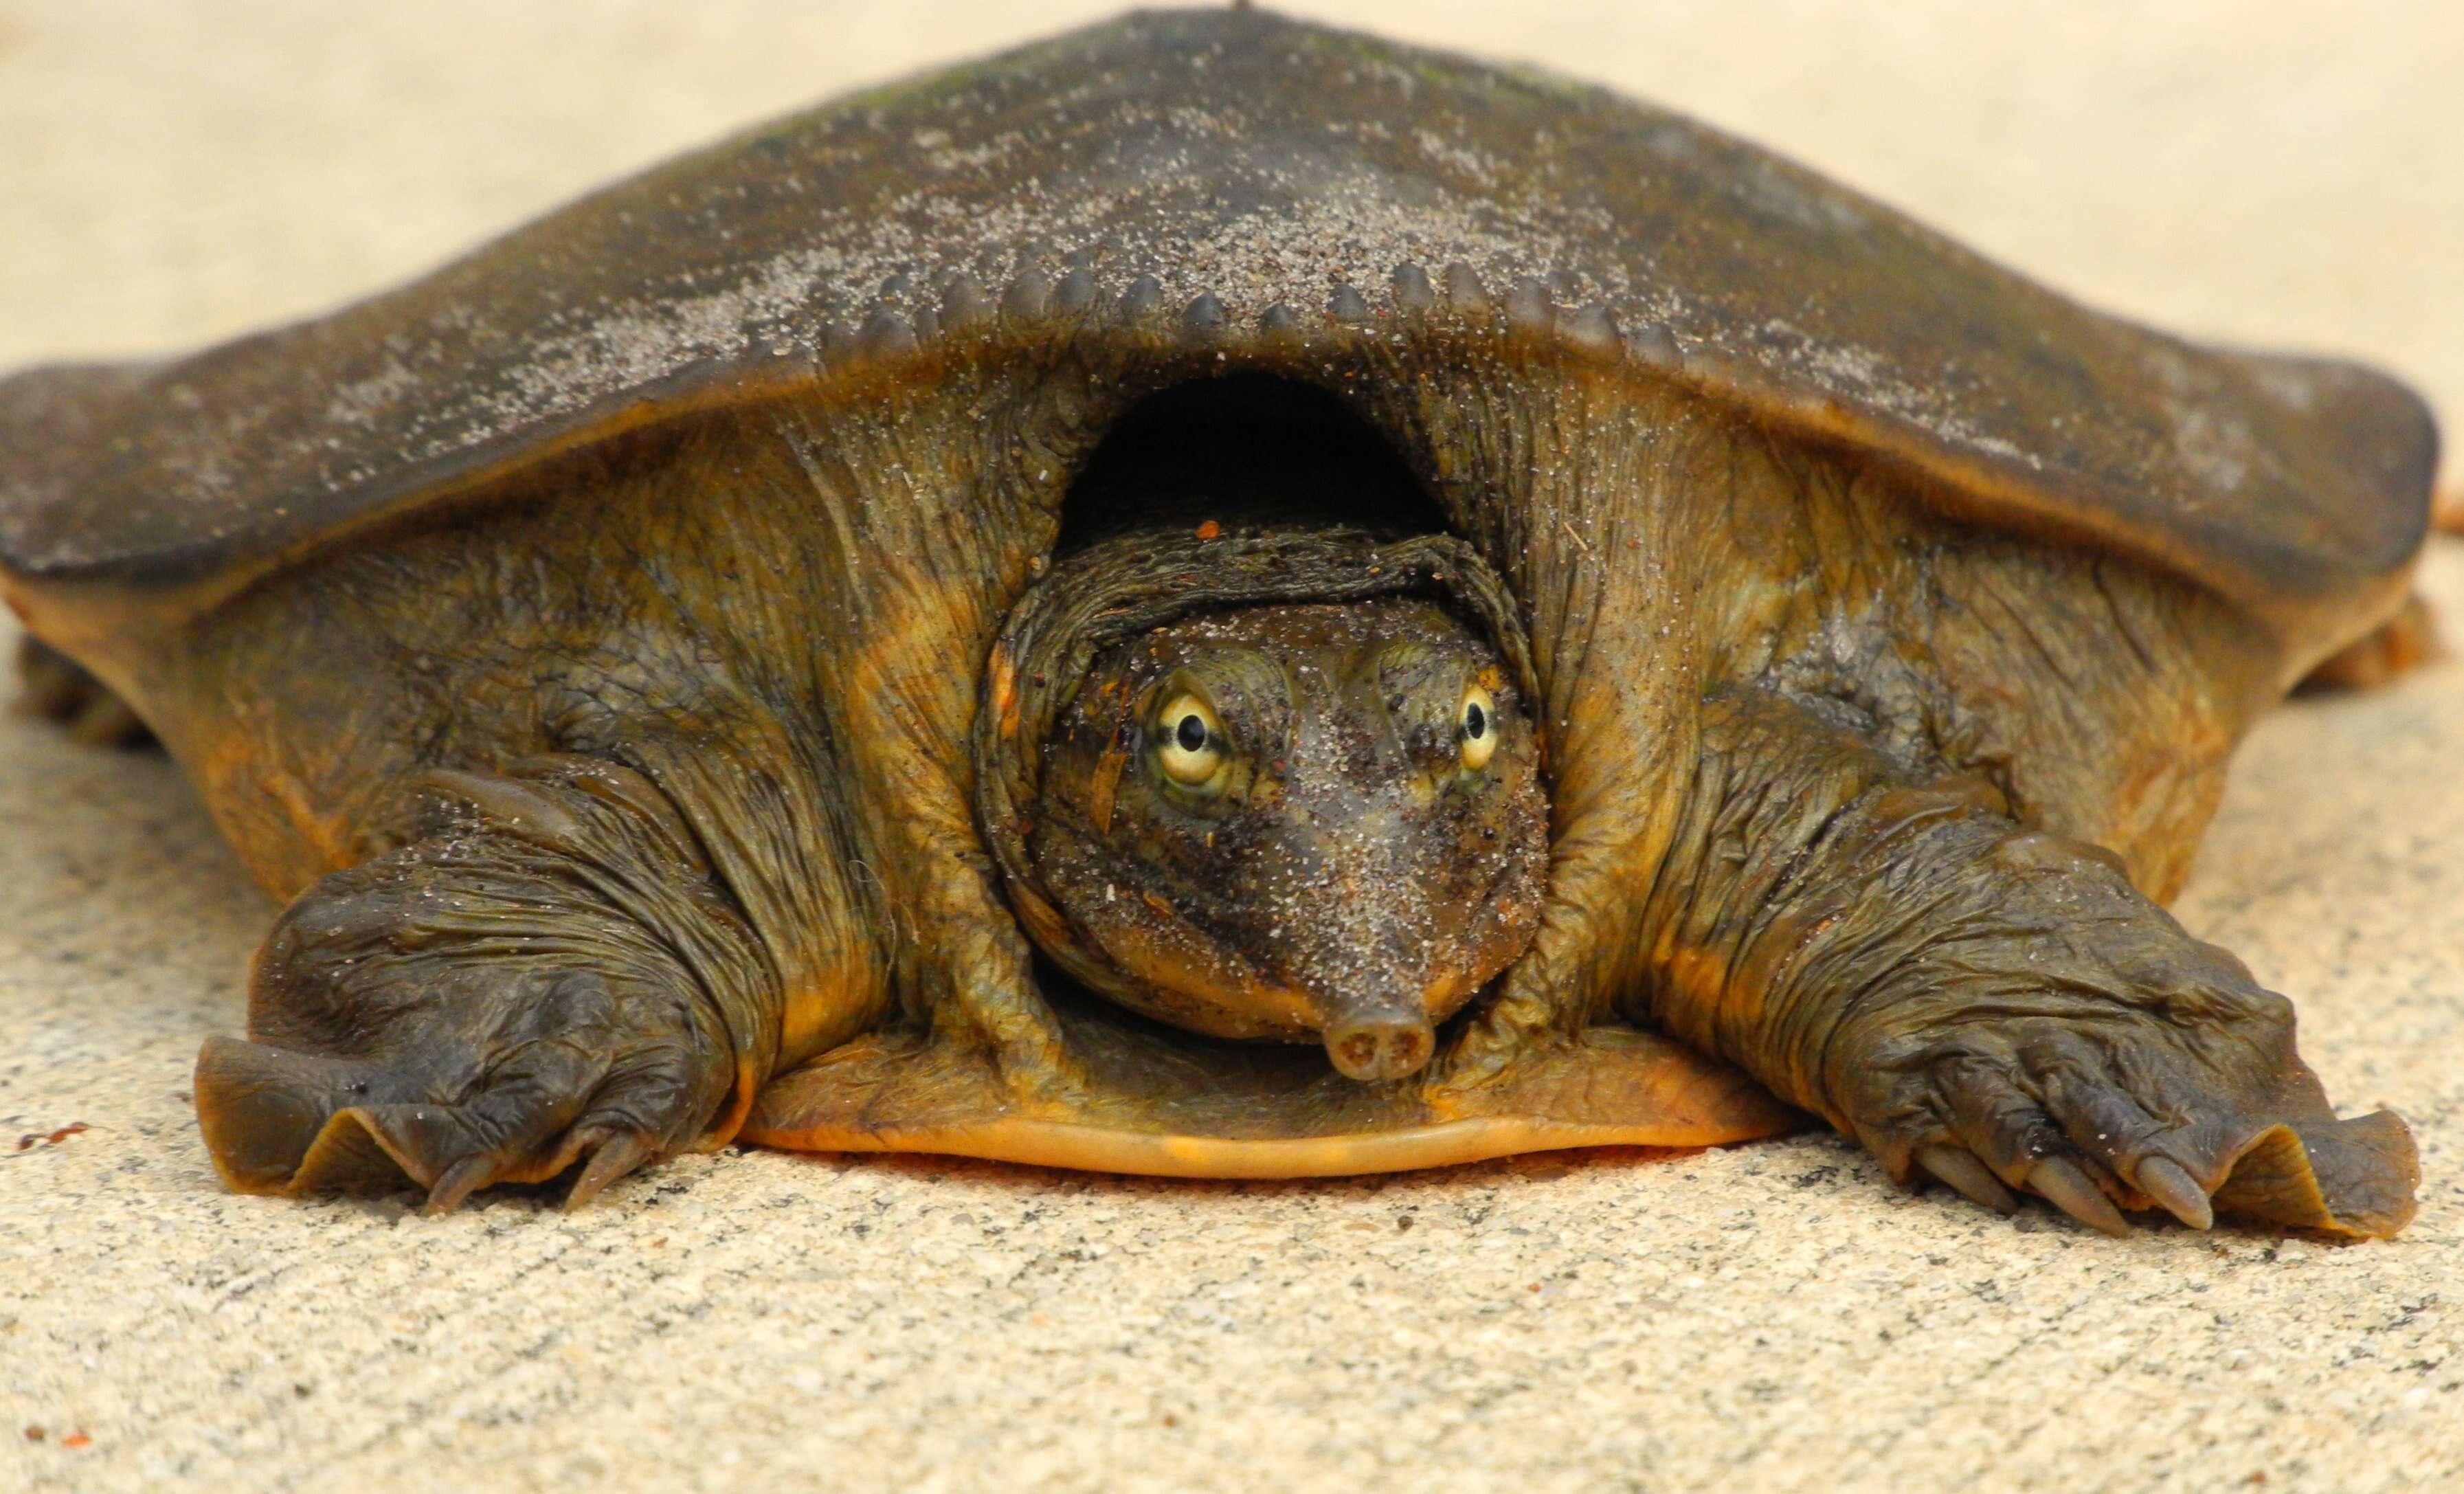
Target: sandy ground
[(1771, 1316)]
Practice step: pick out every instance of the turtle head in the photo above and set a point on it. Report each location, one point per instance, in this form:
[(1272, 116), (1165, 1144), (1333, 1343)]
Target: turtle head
[(1296, 818)]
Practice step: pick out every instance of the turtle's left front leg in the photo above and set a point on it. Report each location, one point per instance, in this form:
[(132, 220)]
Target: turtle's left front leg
[(1990, 1004)]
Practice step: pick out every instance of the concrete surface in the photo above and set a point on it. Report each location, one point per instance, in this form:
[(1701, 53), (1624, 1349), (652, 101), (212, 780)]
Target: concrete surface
[(1769, 1317)]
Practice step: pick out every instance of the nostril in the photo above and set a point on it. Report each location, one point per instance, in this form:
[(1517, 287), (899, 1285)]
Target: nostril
[(1390, 1047)]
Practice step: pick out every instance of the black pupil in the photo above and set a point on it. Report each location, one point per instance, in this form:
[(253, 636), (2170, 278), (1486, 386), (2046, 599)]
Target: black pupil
[(1191, 734), (1475, 721)]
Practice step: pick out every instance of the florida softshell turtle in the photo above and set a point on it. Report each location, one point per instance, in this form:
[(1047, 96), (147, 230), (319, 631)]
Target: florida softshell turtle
[(1221, 597)]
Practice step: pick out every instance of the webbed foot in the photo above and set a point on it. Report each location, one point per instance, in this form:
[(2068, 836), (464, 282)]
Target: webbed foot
[(2196, 1106), (513, 1088)]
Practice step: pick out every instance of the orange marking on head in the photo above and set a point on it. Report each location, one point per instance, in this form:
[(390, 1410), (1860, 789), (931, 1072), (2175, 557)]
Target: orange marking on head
[(1005, 692), (1099, 793)]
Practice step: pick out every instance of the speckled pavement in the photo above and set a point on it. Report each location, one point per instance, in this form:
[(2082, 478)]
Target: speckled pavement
[(1770, 1318)]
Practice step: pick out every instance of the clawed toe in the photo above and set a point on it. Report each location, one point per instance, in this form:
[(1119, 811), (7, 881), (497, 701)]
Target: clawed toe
[(2351, 1177), (2068, 1187), (2063, 1183), (459, 1182), (289, 1123), (1960, 1170), (2164, 1180), (616, 1156), (2096, 1121)]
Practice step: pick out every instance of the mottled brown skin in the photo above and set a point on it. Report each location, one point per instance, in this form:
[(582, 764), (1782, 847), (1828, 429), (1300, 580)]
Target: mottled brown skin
[(608, 783)]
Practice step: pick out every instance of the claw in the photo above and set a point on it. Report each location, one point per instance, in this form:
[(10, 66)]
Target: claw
[(2059, 1180), (1961, 1171), (2165, 1180), (458, 1182), (618, 1154)]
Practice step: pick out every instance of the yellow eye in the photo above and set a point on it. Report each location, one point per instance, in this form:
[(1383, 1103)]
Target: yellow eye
[(1191, 753), (1476, 728)]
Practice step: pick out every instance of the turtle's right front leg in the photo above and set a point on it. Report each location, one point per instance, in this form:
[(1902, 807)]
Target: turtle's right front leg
[(550, 972)]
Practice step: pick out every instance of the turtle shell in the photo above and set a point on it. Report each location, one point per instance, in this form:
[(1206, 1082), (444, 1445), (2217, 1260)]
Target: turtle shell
[(1224, 174)]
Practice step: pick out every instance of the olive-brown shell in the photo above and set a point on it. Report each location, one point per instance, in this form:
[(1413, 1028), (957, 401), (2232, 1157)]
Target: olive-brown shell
[(1229, 176)]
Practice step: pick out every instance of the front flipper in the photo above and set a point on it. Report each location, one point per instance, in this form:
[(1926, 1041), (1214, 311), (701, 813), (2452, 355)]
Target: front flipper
[(2183, 1093), (1155, 1101), (509, 1080), (1994, 1006), (549, 973)]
